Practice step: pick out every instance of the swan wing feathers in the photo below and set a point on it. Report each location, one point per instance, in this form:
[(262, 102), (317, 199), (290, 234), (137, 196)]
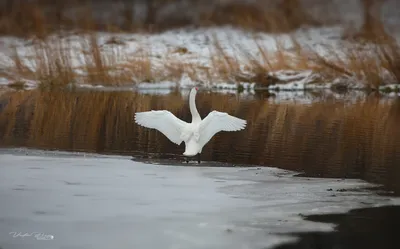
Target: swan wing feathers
[(163, 121), (216, 122)]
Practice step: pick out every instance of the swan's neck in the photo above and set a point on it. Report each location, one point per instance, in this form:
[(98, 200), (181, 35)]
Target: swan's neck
[(193, 110)]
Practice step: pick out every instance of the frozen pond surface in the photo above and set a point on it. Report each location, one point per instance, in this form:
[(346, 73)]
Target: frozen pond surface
[(96, 201)]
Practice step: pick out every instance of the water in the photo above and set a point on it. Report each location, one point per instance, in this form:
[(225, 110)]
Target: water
[(181, 206), (324, 138), (99, 201)]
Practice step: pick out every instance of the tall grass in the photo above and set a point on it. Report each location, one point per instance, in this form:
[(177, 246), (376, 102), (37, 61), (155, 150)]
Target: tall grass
[(328, 139)]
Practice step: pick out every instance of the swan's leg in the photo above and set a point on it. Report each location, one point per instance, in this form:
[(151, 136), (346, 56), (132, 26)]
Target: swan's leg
[(198, 158)]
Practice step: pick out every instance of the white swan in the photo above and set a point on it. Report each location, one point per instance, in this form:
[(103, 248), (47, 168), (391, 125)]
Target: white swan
[(195, 134)]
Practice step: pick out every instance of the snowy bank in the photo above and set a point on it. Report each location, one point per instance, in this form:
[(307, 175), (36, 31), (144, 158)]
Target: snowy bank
[(214, 58)]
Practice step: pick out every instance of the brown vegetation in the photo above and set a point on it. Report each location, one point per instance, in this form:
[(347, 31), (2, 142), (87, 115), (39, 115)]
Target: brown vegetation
[(42, 17), (373, 65), (372, 28), (323, 139)]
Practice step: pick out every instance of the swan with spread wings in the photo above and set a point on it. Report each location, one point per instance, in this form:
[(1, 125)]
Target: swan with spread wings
[(195, 134)]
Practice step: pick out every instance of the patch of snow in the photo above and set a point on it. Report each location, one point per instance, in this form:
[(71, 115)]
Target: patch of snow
[(89, 86), (157, 85), (187, 82), (155, 91), (292, 86), (4, 81), (392, 87), (290, 75), (290, 80), (393, 94), (224, 85), (247, 86), (318, 95)]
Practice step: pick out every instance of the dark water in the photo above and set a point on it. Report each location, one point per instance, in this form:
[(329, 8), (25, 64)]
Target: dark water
[(366, 228), (327, 138)]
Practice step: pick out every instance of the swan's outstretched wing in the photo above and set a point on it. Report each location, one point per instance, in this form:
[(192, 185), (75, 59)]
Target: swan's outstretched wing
[(163, 121), (216, 122)]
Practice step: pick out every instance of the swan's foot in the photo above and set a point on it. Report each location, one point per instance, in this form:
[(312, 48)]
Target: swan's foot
[(198, 158)]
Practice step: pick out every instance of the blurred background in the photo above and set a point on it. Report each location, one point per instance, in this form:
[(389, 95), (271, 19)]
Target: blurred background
[(21, 17)]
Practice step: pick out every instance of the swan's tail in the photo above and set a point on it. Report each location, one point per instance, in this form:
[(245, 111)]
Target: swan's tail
[(191, 148)]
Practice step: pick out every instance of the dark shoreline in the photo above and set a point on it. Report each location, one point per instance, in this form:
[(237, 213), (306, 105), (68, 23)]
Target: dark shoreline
[(364, 228)]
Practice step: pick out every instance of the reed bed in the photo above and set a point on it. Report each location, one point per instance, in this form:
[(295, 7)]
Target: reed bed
[(59, 62), (325, 139)]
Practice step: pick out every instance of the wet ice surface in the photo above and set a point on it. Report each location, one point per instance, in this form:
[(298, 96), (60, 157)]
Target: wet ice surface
[(112, 202)]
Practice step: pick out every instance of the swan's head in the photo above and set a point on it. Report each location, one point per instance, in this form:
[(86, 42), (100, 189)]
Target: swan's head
[(194, 90)]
